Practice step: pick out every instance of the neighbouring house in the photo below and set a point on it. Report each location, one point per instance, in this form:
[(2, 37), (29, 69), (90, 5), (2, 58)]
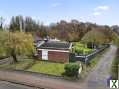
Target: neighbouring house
[(55, 51), (38, 40)]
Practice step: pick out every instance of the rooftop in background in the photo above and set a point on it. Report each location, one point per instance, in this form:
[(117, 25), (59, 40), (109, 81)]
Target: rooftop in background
[(55, 45)]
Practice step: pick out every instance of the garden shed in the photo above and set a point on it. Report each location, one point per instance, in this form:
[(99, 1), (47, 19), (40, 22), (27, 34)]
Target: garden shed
[(55, 51)]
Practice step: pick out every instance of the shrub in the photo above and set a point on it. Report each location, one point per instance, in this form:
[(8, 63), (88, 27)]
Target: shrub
[(81, 49), (87, 51), (71, 70), (72, 57)]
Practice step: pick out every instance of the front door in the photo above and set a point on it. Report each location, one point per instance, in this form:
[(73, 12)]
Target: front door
[(44, 55)]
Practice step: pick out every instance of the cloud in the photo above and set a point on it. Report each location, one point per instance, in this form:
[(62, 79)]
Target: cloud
[(56, 4), (102, 8), (97, 13)]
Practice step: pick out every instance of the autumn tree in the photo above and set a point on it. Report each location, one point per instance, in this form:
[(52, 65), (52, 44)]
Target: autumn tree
[(68, 31), (115, 28), (115, 38), (95, 37)]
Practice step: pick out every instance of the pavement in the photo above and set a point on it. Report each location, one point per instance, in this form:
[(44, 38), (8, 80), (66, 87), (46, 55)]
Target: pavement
[(96, 79)]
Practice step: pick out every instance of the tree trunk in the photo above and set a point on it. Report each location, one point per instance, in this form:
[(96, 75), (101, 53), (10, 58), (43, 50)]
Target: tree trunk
[(13, 54), (15, 58)]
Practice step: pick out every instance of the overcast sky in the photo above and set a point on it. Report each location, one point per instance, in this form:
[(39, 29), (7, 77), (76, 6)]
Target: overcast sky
[(51, 11)]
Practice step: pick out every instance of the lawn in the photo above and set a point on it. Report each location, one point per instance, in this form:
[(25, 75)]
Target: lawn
[(36, 66), (48, 68)]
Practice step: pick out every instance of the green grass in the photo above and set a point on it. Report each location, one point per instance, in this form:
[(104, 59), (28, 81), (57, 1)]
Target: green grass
[(21, 65), (48, 68), (36, 66)]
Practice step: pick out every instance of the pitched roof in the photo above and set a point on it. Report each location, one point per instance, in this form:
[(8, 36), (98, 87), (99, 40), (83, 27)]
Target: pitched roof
[(56, 45)]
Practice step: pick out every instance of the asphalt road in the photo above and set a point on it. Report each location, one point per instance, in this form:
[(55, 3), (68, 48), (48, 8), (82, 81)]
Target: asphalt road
[(8, 85)]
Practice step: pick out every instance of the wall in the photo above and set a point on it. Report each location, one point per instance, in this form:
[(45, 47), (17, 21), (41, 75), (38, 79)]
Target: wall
[(56, 56)]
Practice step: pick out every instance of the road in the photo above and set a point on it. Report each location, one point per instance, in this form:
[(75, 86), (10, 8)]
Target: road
[(96, 79), (8, 85)]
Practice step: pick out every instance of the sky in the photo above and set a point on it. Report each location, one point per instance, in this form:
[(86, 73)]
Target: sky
[(102, 12)]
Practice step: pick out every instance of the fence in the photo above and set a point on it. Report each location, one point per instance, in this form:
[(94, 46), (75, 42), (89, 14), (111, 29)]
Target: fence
[(86, 58)]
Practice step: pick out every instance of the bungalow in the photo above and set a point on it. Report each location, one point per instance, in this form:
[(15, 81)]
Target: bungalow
[(55, 51)]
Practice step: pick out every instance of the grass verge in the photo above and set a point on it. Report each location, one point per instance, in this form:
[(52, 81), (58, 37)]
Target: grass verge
[(21, 65), (115, 66)]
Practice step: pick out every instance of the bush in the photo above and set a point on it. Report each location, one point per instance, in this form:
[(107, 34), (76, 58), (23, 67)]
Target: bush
[(71, 70), (72, 57), (81, 49), (87, 51)]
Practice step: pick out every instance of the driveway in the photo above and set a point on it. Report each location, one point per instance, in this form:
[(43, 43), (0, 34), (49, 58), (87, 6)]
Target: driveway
[(96, 79)]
